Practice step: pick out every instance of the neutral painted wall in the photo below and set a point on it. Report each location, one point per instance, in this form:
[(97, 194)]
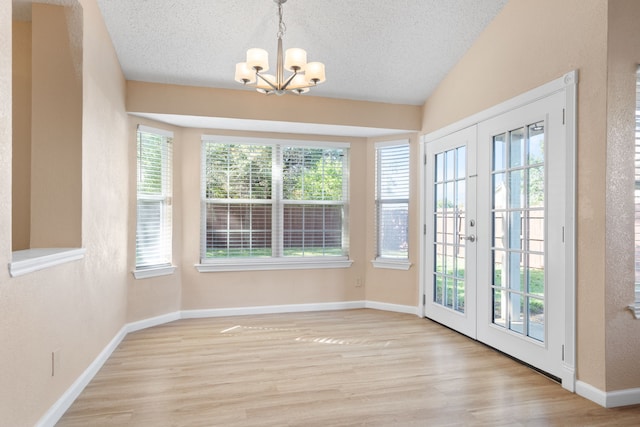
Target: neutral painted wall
[(622, 331), (529, 44), (21, 160), (78, 307), (56, 133)]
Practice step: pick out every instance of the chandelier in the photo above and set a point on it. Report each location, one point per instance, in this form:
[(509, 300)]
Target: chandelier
[(304, 75)]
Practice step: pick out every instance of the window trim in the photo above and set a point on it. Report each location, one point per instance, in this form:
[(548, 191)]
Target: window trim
[(277, 262), (380, 261), (155, 270)]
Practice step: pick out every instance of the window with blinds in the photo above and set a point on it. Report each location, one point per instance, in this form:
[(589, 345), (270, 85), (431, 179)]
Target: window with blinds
[(154, 192), (273, 200), (392, 200)]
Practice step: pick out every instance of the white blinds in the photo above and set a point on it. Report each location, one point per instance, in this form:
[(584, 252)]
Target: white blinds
[(154, 192), (392, 200), (268, 199)]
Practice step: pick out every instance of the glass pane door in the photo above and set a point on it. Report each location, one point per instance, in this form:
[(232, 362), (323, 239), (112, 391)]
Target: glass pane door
[(450, 227), (517, 217)]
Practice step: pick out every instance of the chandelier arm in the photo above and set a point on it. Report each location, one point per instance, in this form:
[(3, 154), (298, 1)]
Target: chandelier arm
[(286, 84), (266, 81)]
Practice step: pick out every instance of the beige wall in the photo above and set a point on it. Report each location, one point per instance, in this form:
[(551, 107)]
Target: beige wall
[(56, 133), (622, 331), (21, 160), (78, 307), (517, 53)]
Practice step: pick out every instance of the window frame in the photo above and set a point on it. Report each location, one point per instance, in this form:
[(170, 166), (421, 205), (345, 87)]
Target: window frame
[(164, 264), (277, 261), (380, 261)]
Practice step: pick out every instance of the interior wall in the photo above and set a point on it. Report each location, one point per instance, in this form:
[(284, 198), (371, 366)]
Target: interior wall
[(622, 330), (74, 309), (56, 133), (389, 285), (527, 45), (21, 161)]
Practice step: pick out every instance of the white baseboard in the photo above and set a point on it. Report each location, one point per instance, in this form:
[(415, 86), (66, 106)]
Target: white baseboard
[(272, 309), (611, 399), (53, 415), (407, 309), (152, 321)]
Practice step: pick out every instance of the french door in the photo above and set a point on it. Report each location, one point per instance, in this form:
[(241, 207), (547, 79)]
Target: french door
[(450, 231), (494, 266)]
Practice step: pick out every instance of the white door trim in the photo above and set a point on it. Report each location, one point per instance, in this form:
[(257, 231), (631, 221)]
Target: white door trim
[(567, 84)]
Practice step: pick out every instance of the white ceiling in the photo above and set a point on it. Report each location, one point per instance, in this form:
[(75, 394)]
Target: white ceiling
[(391, 51)]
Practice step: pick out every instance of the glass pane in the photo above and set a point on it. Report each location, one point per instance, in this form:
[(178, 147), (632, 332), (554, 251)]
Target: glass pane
[(238, 230), (499, 266), (439, 167), (515, 271), (439, 289), (499, 225), (535, 230), (450, 164), (449, 197), (460, 296), (460, 192), (312, 230), (461, 167), (498, 308), (536, 318), (439, 228), (516, 148), (499, 152), (516, 315), (449, 292), (439, 199), (392, 229), (516, 189), (536, 144), (536, 186), (536, 276), (515, 232), (460, 263), (449, 259), (499, 191)]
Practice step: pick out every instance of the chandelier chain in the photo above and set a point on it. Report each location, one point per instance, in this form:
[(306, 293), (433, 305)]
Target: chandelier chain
[(282, 28)]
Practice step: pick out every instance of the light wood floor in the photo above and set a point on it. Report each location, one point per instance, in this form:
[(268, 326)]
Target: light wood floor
[(341, 368)]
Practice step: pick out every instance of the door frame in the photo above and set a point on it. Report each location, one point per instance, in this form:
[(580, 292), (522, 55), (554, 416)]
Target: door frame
[(568, 85)]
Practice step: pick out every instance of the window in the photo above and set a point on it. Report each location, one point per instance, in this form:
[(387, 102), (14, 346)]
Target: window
[(269, 204), (153, 225), (392, 205)]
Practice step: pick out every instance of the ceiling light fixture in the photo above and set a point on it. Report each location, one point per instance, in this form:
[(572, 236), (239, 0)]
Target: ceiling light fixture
[(305, 74)]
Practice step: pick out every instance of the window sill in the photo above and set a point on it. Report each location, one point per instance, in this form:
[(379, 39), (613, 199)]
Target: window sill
[(30, 260), (146, 273), (270, 264), (391, 264)]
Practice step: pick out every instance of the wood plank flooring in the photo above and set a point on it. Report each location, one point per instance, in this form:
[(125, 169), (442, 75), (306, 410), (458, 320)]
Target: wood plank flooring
[(339, 368)]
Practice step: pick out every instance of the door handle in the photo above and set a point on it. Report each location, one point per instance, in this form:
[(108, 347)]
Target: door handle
[(470, 237)]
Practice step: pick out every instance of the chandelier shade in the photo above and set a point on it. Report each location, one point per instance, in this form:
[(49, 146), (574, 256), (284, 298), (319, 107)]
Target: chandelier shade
[(305, 75)]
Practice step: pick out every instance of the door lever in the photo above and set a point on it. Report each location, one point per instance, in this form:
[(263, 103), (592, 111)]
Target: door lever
[(470, 237)]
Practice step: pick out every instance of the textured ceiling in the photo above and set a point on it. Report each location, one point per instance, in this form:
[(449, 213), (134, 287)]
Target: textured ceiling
[(394, 51)]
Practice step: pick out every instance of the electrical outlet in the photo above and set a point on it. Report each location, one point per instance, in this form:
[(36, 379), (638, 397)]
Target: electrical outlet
[(359, 282)]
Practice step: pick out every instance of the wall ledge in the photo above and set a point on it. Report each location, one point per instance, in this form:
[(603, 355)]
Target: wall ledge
[(30, 260)]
